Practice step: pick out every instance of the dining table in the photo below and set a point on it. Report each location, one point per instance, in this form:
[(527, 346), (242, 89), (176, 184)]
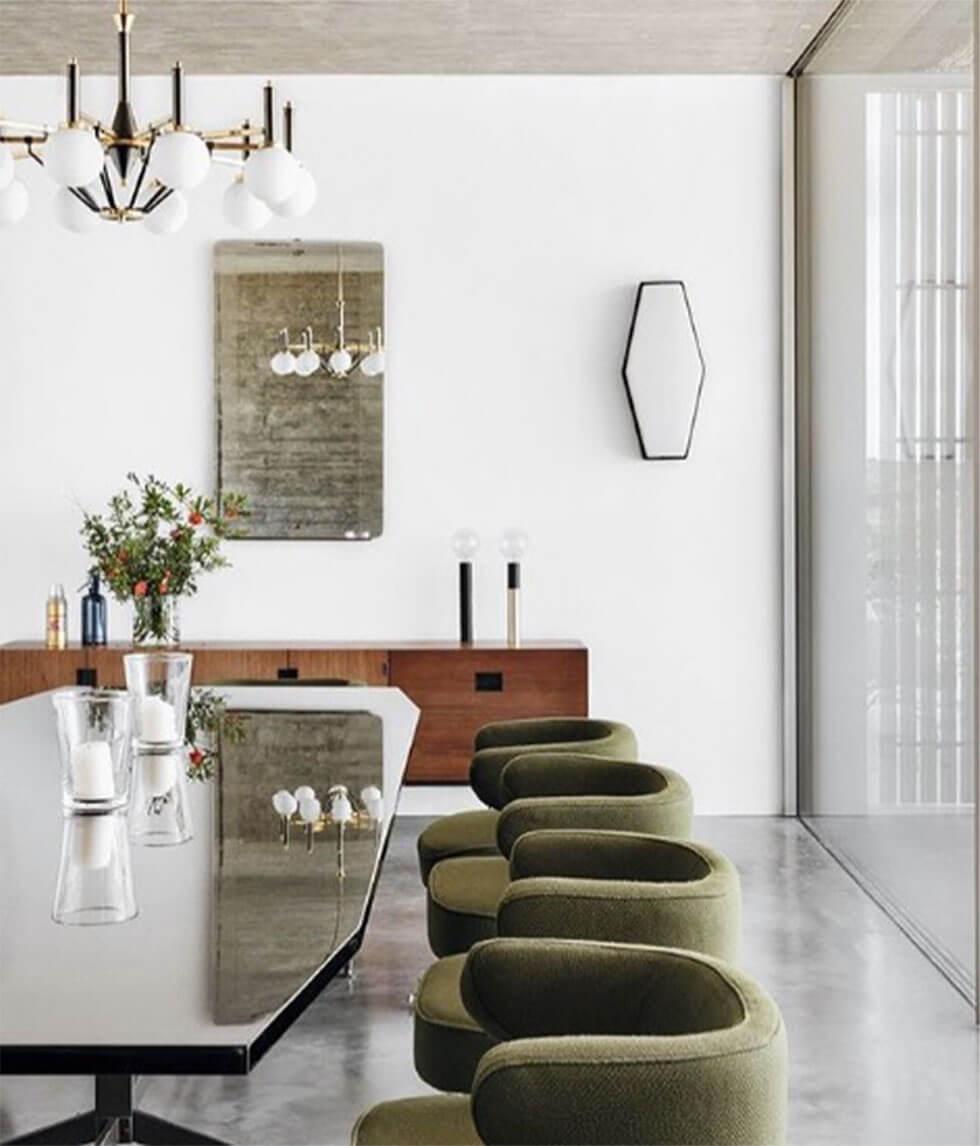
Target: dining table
[(234, 932)]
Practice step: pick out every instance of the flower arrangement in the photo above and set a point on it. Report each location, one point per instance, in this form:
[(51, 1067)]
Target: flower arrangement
[(208, 724), (154, 542)]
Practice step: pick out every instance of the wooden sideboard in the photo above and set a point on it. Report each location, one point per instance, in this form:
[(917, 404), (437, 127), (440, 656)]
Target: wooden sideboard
[(457, 687)]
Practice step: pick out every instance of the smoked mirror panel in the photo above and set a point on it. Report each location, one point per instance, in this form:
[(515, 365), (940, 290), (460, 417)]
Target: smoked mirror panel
[(663, 371), (306, 451), (283, 910)]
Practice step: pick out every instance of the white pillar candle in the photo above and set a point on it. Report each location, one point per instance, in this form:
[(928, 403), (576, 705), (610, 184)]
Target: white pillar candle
[(158, 721), (91, 841), (91, 771), (159, 773)]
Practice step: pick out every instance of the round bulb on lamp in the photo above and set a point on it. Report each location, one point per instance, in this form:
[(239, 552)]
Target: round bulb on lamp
[(284, 802), (309, 810), (14, 202), (374, 364), (180, 159), (73, 156), (340, 361), (513, 544), (243, 210), (341, 810), (271, 174), (307, 363), (169, 216), (465, 543), (283, 362), (7, 166), (302, 199), (304, 792), (72, 213)]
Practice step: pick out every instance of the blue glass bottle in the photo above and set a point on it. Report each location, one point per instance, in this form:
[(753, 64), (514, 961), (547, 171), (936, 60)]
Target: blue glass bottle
[(94, 627)]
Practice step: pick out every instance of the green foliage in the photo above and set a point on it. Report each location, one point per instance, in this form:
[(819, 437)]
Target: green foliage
[(156, 539), (208, 724)]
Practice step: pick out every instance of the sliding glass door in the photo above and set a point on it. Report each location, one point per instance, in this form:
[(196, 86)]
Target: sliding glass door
[(887, 418)]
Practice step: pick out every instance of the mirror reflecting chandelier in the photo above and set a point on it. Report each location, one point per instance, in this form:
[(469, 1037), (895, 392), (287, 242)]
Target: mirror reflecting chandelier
[(122, 172), (339, 359)]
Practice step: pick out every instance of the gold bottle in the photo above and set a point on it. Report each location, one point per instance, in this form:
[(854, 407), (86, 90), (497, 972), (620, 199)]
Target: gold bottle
[(56, 619)]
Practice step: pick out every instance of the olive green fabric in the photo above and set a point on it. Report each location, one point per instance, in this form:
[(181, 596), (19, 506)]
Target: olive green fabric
[(466, 833), (497, 744), (463, 833), (448, 1042), (583, 791), (608, 1044), (611, 1043), (436, 1120), (462, 901), (595, 885)]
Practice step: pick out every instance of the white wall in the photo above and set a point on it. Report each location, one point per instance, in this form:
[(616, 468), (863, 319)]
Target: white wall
[(517, 216)]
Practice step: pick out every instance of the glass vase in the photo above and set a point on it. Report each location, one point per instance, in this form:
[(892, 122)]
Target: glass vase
[(95, 729), (156, 621), (160, 684), (95, 882)]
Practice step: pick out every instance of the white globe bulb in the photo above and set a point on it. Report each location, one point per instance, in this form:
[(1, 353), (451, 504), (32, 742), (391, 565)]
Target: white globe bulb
[(243, 210), (309, 810), (307, 363), (73, 156), (13, 203), (374, 364), (513, 544), (340, 361), (72, 213), (302, 199), (283, 363), (465, 543), (180, 159), (284, 802), (7, 166), (170, 216), (271, 174), (304, 792), (341, 810)]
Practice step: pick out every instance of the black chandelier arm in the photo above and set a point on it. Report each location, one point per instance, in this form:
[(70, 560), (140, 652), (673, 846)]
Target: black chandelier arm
[(142, 173), (83, 196), (110, 195), (161, 195)]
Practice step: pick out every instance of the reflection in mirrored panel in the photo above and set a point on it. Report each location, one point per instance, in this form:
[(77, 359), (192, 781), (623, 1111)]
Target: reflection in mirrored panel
[(663, 370), (299, 365), (291, 887)]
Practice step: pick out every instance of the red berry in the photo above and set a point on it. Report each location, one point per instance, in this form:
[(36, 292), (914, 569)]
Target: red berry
[(140, 589)]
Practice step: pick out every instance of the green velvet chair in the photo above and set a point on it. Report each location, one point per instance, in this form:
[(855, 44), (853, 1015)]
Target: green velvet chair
[(549, 790), (475, 832), (619, 886), (604, 1044)]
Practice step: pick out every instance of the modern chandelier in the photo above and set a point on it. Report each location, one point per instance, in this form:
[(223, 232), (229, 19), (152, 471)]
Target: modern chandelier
[(121, 172), (339, 359)]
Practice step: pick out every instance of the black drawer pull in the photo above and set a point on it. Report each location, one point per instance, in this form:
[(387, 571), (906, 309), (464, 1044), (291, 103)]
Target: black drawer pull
[(488, 682), (86, 678), (288, 674)]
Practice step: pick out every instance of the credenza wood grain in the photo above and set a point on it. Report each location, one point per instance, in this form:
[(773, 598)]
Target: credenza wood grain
[(458, 688)]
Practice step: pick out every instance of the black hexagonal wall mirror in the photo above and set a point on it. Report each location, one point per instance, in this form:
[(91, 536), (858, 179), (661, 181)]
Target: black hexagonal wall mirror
[(663, 370)]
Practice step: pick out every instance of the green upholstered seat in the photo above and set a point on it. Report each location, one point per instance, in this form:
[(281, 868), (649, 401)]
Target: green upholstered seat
[(474, 833), (432, 1120), (595, 885), (461, 834), (571, 790), (608, 1044), (462, 901)]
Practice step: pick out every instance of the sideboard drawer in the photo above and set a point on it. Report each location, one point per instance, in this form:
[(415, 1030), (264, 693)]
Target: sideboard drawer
[(460, 690)]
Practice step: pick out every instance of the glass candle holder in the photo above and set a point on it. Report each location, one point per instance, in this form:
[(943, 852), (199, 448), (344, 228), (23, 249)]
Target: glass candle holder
[(95, 728), (159, 811), (160, 685), (95, 879)]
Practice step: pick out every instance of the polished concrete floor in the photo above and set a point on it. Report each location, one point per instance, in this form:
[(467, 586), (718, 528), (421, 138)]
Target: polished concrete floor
[(883, 1051), (922, 861)]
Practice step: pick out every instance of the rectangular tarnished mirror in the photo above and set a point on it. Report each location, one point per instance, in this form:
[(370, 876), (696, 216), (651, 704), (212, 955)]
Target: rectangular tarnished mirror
[(305, 448)]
